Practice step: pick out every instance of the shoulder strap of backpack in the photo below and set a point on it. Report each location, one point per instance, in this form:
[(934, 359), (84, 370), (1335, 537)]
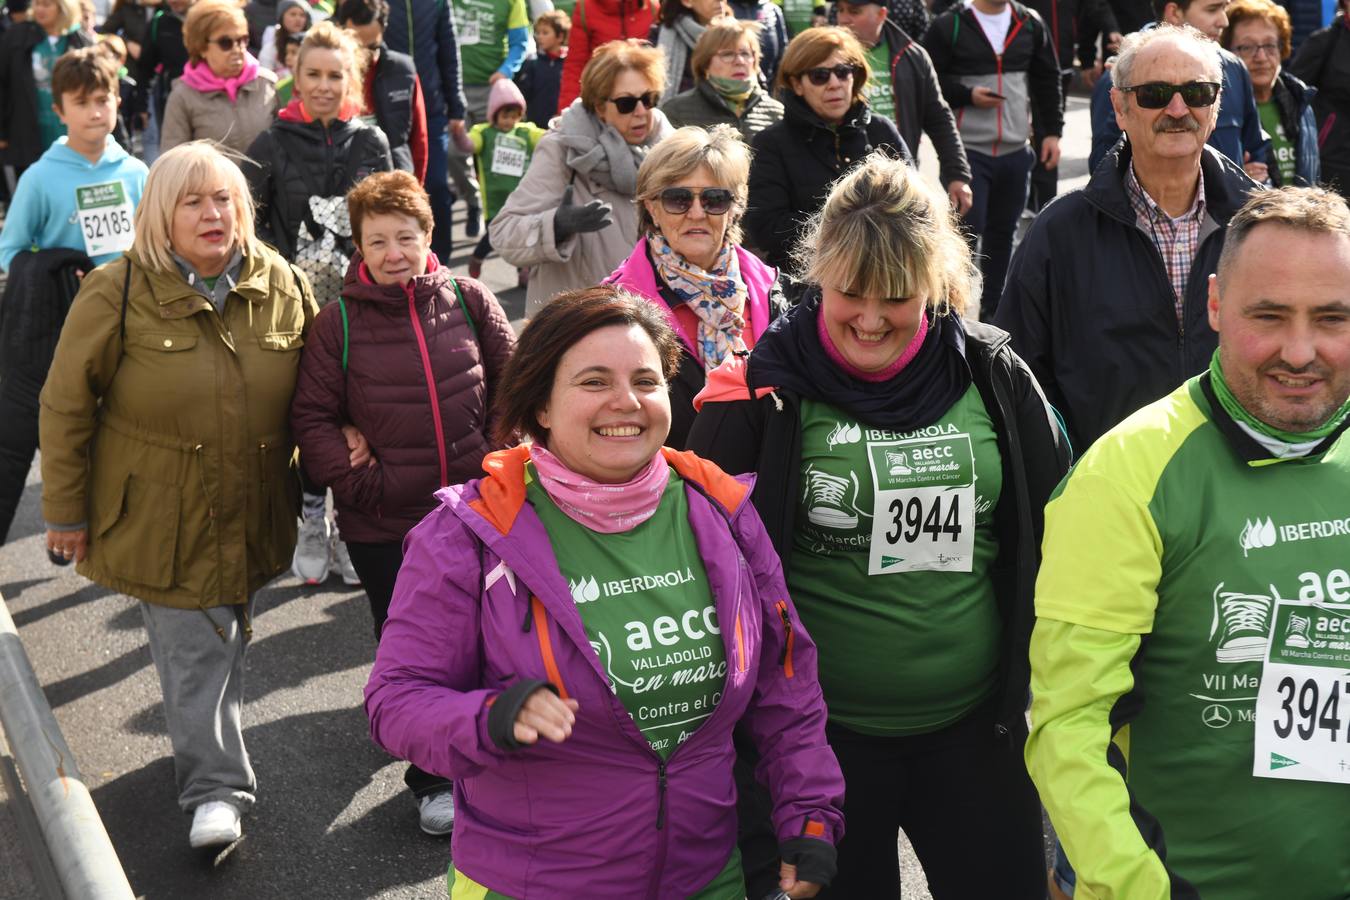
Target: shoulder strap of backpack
[(126, 292), (459, 295), (346, 331)]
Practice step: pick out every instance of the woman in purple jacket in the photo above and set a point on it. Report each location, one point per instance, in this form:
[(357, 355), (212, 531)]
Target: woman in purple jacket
[(393, 396), (574, 637)]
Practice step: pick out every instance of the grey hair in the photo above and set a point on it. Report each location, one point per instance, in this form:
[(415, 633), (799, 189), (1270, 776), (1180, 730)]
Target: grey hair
[(1133, 43), (1311, 210)]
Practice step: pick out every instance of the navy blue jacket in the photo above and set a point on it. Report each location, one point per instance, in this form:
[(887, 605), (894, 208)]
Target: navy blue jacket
[(540, 79), (1294, 99), (1238, 129), (435, 52), (773, 36)]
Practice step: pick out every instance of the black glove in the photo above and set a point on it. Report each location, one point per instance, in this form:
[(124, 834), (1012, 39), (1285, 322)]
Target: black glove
[(570, 219)]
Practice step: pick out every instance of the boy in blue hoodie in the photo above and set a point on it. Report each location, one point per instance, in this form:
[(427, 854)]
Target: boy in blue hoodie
[(82, 192)]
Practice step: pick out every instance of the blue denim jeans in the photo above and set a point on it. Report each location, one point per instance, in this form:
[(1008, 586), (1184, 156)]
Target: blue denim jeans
[(1000, 185), (438, 185)]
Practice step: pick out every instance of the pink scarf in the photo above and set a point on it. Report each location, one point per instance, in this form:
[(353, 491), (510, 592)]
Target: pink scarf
[(606, 508), (199, 76), (885, 374)]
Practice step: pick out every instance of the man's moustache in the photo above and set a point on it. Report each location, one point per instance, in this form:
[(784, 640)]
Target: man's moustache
[(1172, 123)]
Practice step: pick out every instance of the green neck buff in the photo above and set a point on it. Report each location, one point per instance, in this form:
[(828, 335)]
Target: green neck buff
[(1239, 414), (733, 90)]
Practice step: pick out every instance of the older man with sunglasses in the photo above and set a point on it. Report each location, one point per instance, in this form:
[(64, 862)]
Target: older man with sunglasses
[(1105, 298)]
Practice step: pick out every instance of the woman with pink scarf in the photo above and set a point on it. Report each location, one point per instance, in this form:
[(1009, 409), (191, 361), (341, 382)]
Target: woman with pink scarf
[(224, 95)]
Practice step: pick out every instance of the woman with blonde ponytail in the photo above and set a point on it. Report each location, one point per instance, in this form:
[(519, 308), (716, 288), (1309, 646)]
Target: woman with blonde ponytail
[(903, 456)]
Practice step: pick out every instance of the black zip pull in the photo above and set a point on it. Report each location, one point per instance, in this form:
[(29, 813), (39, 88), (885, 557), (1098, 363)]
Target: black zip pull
[(661, 808), (787, 630), (529, 616)]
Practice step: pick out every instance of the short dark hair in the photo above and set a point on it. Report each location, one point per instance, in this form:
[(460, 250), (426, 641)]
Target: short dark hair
[(82, 72), (1160, 7), (528, 380), (362, 12)]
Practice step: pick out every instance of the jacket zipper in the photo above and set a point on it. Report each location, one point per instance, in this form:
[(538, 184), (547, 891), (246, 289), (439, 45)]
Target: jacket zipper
[(998, 61), (546, 645), (431, 382)]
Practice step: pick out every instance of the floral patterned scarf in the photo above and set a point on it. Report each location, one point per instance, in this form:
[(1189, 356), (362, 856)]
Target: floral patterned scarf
[(717, 297)]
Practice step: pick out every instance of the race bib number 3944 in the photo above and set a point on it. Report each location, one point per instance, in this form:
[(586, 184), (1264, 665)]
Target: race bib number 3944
[(105, 215), (924, 513), (1303, 706)]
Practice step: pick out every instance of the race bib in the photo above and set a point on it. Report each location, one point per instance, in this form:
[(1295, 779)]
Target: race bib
[(508, 156), (105, 215), (1303, 706), (924, 507), (466, 31)]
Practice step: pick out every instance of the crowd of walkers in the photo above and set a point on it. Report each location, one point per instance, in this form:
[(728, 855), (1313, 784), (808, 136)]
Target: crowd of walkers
[(755, 545)]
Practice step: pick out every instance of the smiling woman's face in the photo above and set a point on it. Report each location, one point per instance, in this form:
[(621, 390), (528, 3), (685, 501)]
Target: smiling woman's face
[(695, 235), (203, 231)]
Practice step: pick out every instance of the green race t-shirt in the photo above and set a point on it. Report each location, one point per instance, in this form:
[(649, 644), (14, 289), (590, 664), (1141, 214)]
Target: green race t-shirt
[(1281, 148), (45, 55), (889, 565), (797, 14), (728, 884), (480, 29), (648, 611), (880, 92)]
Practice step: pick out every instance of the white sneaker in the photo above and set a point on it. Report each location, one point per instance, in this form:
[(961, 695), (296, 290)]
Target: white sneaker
[(214, 823), (310, 563), (342, 561), (437, 813)]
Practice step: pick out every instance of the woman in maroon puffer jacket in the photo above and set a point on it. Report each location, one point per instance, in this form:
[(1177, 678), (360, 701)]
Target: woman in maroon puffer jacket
[(393, 396)]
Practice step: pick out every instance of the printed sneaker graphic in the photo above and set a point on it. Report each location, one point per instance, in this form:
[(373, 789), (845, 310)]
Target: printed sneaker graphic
[(584, 590), (1257, 534), (843, 434), (1243, 623), (1296, 632), (825, 495), (897, 462)]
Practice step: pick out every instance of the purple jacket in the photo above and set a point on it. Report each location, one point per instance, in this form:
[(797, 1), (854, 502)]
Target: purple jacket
[(417, 381), (481, 605)]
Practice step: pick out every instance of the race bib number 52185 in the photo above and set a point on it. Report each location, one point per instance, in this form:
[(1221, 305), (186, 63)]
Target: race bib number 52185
[(105, 215), (1303, 706), (924, 517)]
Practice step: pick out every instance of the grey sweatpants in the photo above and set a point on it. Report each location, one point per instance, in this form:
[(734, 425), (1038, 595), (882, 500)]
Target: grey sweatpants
[(461, 166), (201, 671)]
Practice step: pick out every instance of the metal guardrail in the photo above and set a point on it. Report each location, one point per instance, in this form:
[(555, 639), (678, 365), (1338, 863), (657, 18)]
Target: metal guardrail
[(76, 841)]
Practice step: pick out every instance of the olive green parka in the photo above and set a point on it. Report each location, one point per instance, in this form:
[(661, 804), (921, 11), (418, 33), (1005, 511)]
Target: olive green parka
[(173, 444)]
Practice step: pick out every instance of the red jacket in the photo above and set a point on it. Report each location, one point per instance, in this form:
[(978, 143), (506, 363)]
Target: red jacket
[(596, 22), (405, 346)]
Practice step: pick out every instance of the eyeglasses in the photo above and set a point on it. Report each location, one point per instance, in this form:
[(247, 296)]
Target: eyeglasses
[(626, 105), (820, 76), (1157, 94), (1254, 50), (227, 43), (728, 56), (715, 201)]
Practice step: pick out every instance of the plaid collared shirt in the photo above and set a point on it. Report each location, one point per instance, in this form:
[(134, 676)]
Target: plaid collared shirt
[(1178, 240)]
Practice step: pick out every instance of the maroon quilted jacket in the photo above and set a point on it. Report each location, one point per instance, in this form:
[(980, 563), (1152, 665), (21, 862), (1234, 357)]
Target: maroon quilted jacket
[(418, 384)]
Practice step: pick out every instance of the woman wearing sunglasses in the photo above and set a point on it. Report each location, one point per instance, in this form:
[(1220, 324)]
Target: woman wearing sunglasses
[(827, 128), (717, 296), (902, 459), (572, 216), (224, 95)]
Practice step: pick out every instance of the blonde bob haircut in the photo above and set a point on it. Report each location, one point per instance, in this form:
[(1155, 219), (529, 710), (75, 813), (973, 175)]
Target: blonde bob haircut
[(725, 33), (720, 148), (884, 231), (610, 61), (68, 14), (190, 168), (328, 36), (204, 19), (812, 48)]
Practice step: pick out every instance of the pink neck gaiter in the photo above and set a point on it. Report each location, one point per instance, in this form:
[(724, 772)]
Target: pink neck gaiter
[(199, 76), (606, 508), (885, 374)]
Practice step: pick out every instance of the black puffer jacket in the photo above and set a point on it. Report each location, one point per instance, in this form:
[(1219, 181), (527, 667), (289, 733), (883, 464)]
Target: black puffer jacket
[(764, 436), (1091, 308), (293, 161), (795, 164), (18, 91), (1323, 62)]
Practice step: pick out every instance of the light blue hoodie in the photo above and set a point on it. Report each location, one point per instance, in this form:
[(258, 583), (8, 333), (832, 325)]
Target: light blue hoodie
[(42, 215)]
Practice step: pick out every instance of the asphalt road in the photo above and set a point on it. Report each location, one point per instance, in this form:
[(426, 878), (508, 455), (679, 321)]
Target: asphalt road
[(333, 819)]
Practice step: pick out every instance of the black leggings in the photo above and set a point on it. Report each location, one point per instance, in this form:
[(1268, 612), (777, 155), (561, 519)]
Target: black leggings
[(378, 566)]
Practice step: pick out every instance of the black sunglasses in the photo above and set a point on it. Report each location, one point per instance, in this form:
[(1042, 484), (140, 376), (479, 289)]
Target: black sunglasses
[(626, 105), (1157, 94), (226, 44), (820, 75), (715, 201)]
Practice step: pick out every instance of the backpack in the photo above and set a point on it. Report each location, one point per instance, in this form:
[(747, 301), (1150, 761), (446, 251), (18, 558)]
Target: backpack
[(324, 245)]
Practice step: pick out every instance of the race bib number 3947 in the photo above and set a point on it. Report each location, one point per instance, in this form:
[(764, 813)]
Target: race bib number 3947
[(1303, 706), (924, 513), (105, 215)]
